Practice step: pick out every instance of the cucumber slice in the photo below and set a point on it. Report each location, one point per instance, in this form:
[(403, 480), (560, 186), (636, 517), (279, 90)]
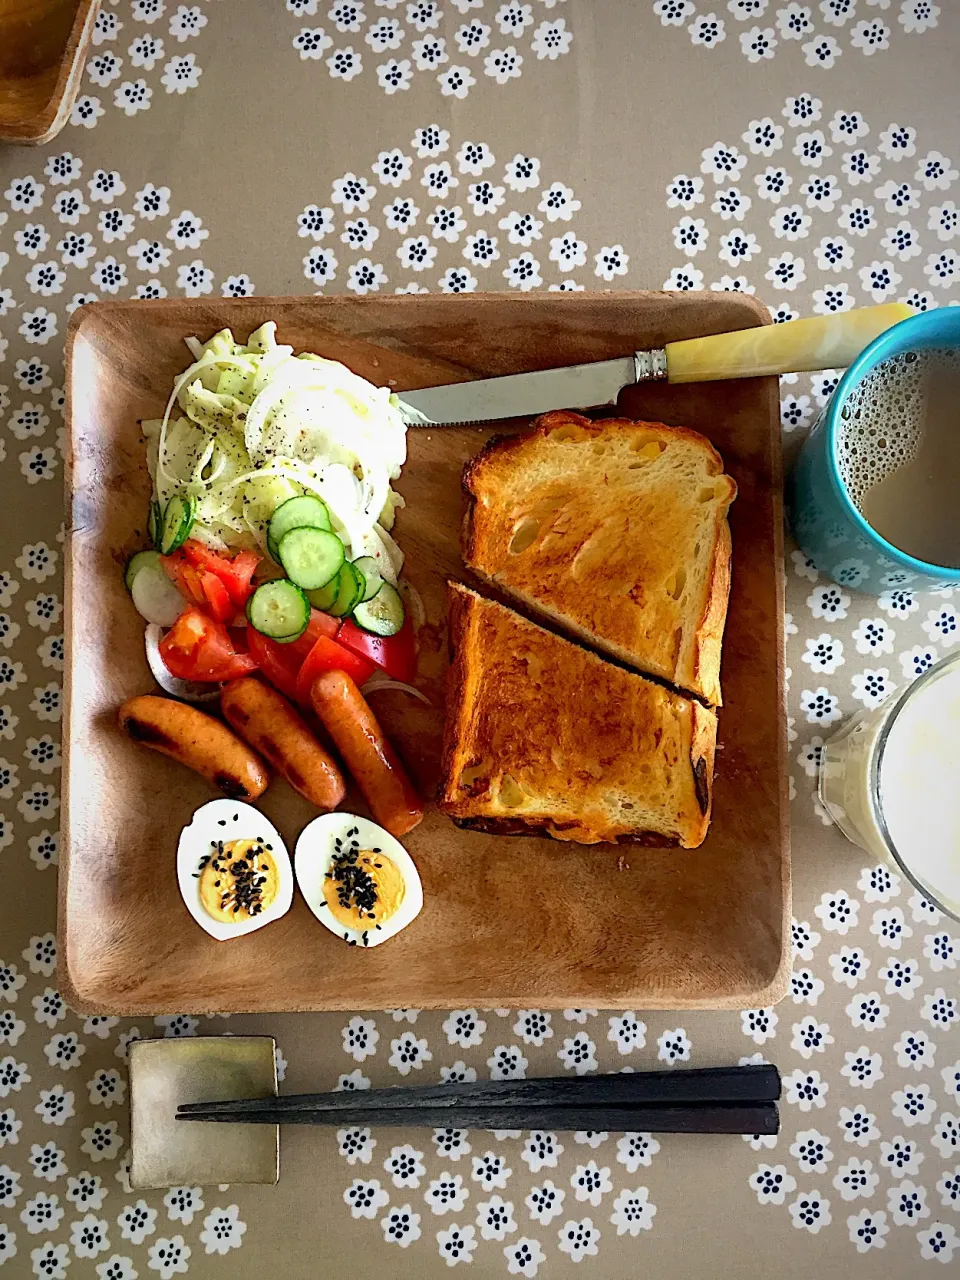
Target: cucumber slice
[(369, 571), (154, 523), (349, 593), (177, 522), (383, 615), (139, 560), (324, 598), (279, 609), (295, 513), (311, 557)]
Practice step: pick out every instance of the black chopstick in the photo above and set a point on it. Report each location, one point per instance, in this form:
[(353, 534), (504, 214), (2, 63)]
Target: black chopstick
[(745, 1085), (759, 1118), (704, 1100)]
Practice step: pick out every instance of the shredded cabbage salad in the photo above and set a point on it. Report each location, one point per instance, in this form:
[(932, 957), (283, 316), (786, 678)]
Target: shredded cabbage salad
[(249, 426)]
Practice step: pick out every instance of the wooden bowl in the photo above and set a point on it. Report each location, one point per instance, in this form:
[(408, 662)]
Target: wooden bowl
[(43, 44)]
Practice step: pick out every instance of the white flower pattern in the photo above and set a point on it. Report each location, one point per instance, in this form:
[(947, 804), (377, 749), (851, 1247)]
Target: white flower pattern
[(820, 206), (819, 32), (418, 48)]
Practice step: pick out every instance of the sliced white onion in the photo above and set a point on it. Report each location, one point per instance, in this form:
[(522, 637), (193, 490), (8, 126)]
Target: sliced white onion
[(373, 685), (414, 601), (185, 690), (312, 421), (391, 561), (195, 345), (156, 599), (206, 361)]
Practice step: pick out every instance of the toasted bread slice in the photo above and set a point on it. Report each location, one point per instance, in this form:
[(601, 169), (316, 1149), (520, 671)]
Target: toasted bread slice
[(617, 531), (544, 738)]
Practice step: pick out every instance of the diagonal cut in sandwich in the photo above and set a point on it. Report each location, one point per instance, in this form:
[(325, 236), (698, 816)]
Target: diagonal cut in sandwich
[(543, 737), (617, 532)]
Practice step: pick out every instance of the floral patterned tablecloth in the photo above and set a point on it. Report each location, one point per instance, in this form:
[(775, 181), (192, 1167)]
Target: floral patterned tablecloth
[(804, 151)]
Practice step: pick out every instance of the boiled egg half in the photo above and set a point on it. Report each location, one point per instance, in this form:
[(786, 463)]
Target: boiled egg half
[(233, 869), (357, 879)]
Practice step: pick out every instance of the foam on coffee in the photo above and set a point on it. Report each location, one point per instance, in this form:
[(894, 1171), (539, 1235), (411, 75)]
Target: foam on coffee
[(896, 451)]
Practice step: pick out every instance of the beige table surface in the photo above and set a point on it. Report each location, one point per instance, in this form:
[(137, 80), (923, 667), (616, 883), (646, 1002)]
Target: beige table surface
[(807, 152)]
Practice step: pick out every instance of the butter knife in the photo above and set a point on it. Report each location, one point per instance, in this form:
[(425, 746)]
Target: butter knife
[(797, 346)]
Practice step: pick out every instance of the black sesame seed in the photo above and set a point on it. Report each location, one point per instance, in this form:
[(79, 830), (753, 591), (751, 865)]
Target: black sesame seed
[(221, 822)]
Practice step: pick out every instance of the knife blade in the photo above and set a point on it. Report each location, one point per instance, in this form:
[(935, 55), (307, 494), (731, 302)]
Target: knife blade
[(518, 395), (819, 342)]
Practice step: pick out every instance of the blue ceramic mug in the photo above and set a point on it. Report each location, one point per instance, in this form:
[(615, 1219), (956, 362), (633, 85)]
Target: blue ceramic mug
[(825, 520)]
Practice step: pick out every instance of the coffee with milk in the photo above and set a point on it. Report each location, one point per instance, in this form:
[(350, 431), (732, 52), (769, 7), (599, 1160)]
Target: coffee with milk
[(898, 453)]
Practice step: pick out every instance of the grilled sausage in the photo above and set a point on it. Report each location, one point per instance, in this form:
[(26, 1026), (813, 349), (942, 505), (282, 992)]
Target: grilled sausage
[(366, 752), (197, 740), (266, 720)]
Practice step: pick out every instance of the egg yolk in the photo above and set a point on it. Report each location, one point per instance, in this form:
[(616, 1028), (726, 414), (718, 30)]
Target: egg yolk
[(238, 880), (363, 889)]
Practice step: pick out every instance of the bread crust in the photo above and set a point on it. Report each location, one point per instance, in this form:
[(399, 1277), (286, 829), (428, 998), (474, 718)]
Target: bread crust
[(708, 640), (545, 738), (517, 827), (666, 636), (504, 444)]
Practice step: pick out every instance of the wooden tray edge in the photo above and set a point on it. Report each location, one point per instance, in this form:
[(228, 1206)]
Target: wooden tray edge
[(780, 982), (36, 130)]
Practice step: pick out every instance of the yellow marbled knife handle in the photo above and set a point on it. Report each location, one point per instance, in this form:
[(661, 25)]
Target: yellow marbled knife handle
[(820, 342)]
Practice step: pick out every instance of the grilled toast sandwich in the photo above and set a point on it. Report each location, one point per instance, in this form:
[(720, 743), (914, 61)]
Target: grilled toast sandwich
[(617, 532), (545, 738)]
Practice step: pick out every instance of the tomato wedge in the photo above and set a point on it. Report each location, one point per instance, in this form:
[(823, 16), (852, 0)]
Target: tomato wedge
[(219, 604), (236, 573), (397, 655), (273, 662), (185, 576), (198, 648), (281, 663), (328, 655)]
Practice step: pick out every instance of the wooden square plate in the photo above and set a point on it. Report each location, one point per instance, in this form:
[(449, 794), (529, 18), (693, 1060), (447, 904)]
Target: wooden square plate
[(506, 921)]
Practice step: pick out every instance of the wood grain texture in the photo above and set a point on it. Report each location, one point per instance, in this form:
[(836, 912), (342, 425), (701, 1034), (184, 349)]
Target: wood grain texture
[(506, 921), (43, 44)]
